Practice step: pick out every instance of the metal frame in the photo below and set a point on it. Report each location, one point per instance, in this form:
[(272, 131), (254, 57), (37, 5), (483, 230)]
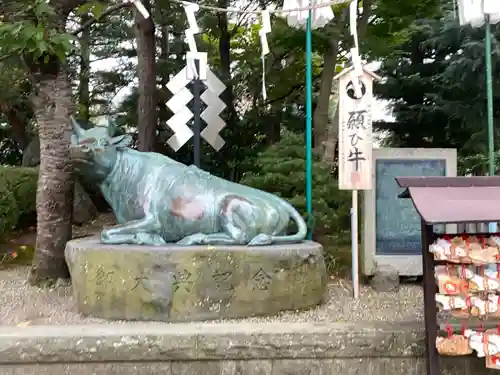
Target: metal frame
[(406, 265)]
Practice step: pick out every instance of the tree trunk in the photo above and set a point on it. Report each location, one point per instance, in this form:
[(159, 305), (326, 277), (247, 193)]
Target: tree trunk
[(225, 63), (163, 95), (320, 116), (84, 79), (52, 105), (165, 56), (331, 140), (230, 114), (146, 67)]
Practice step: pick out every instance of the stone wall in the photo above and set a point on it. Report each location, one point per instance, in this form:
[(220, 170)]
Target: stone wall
[(222, 349)]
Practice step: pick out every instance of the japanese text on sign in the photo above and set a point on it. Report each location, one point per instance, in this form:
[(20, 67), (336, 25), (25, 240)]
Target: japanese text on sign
[(355, 126), (355, 138)]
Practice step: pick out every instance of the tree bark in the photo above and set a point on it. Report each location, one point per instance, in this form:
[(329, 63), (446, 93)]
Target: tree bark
[(230, 114), (225, 63), (163, 95), (331, 142), (84, 79), (146, 67), (52, 104), (320, 116), (165, 55)]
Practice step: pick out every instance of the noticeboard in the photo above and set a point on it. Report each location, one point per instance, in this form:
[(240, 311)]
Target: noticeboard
[(391, 226), (397, 222)]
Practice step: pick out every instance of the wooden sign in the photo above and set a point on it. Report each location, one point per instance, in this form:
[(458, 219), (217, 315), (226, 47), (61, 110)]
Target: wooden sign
[(355, 130)]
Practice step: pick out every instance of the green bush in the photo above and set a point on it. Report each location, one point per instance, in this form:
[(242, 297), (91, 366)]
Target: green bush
[(17, 196), (281, 170)]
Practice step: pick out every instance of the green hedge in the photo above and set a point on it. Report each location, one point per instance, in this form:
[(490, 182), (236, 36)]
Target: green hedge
[(280, 170), (17, 196)]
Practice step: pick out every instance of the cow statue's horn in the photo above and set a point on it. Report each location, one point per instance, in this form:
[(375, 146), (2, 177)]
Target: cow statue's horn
[(79, 132)]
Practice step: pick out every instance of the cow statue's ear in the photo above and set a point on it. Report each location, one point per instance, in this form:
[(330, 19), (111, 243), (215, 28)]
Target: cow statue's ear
[(122, 141)]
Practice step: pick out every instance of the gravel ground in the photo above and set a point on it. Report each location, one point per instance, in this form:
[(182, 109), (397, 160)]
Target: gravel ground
[(21, 304)]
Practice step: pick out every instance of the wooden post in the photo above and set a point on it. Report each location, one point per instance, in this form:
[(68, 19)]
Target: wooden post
[(430, 307), (355, 244)]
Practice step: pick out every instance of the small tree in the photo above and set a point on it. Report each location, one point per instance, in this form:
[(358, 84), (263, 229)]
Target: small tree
[(33, 35)]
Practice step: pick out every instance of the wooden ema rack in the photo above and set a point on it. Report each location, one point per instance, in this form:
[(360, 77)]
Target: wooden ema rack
[(447, 200)]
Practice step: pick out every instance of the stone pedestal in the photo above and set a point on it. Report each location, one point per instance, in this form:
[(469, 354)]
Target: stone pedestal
[(175, 284)]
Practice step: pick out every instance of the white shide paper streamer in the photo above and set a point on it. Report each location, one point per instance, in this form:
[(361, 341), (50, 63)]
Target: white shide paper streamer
[(472, 12), (264, 30), (193, 54), (320, 15)]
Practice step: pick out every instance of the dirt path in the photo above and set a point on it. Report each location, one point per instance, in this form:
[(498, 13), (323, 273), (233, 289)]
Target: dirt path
[(23, 305)]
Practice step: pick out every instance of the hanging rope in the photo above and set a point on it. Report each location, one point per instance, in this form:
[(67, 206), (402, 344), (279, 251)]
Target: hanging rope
[(191, 7), (280, 11)]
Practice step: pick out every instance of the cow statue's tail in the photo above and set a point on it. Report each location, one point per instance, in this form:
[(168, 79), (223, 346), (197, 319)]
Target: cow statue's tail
[(264, 239)]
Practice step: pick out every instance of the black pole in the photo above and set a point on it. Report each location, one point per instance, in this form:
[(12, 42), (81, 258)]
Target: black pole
[(430, 307), (197, 113)]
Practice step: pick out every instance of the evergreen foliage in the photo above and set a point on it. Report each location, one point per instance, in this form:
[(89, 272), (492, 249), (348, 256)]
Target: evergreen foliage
[(17, 197), (436, 82), (281, 170)]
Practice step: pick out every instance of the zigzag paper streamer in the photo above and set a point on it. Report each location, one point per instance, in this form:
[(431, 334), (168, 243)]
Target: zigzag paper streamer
[(264, 30), (181, 96), (211, 97), (321, 16), (193, 53), (193, 28)]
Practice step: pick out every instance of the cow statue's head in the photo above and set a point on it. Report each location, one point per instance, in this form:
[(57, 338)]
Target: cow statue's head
[(94, 151)]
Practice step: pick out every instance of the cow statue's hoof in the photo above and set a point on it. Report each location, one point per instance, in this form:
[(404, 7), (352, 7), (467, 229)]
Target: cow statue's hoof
[(110, 237), (107, 236), (148, 239), (194, 239), (260, 240)]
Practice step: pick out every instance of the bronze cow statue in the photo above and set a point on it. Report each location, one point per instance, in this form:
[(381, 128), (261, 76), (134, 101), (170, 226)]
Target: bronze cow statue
[(157, 200)]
